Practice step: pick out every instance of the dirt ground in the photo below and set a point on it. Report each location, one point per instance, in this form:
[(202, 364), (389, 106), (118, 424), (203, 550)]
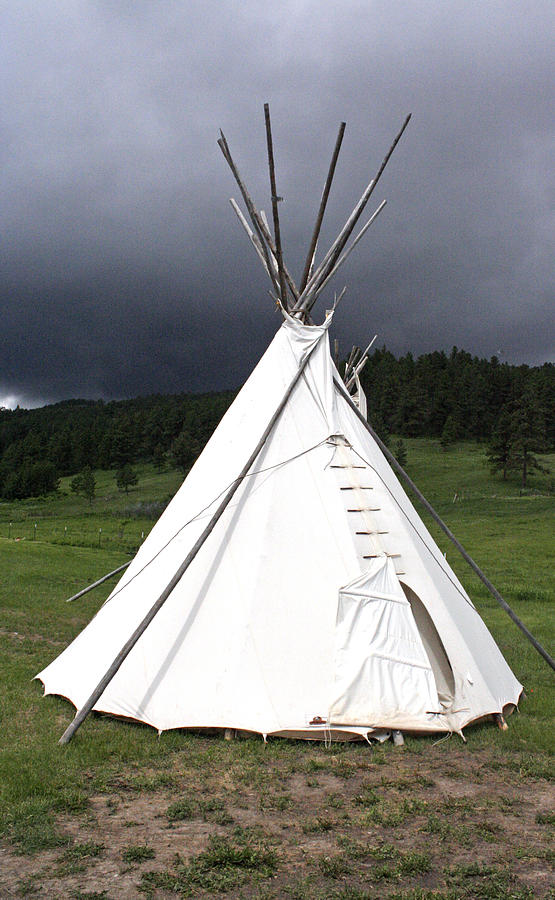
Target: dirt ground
[(387, 822)]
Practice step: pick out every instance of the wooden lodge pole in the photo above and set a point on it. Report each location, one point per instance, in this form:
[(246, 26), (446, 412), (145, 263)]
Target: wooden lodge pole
[(275, 212), (357, 369), (367, 195), (322, 209), (348, 252), (155, 608), (254, 239), (307, 299), (257, 221), (473, 565), (349, 362)]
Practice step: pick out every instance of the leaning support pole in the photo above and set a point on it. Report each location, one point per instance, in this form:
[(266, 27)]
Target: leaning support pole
[(130, 643), (255, 219), (322, 208), (350, 360), (360, 364), (255, 241), (348, 252), (307, 300), (474, 566), (261, 229), (100, 581)]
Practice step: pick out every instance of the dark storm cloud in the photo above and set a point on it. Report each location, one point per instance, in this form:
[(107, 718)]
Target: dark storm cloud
[(124, 270)]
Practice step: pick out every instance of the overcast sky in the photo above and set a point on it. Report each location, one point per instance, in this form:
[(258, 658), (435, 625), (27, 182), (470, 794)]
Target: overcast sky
[(124, 270)]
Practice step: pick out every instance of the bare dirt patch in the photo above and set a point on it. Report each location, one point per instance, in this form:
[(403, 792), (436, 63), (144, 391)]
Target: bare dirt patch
[(348, 822), (37, 638)]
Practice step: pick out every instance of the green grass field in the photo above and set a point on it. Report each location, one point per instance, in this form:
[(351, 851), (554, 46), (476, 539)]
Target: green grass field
[(121, 812)]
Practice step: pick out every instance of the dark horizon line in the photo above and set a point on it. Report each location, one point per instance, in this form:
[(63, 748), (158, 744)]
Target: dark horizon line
[(230, 390)]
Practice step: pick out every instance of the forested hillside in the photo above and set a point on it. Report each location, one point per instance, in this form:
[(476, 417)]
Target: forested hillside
[(456, 392), (448, 396), (38, 446)]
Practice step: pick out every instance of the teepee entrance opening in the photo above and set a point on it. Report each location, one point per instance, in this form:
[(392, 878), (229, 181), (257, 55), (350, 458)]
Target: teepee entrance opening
[(382, 673), (441, 667)]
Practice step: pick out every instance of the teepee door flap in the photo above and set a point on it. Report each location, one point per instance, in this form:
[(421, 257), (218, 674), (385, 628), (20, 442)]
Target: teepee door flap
[(382, 674)]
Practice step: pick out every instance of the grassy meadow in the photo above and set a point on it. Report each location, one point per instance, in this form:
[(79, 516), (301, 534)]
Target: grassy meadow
[(122, 812)]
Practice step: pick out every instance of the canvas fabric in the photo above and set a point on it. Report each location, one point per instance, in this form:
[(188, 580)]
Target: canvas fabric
[(293, 617)]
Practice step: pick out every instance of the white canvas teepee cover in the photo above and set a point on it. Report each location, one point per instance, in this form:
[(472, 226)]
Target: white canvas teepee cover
[(319, 597)]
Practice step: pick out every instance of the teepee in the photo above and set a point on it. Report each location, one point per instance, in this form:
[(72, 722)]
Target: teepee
[(290, 588)]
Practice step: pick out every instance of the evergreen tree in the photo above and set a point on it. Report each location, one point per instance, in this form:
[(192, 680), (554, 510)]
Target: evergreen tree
[(379, 426), (104, 449), (528, 429), (184, 451), (126, 477), (412, 413), (11, 486), (517, 435), (410, 397), (498, 451), (30, 479), (122, 450), (450, 432), (84, 483), (400, 453), (159, 457), (60, 451), (38, 478), (85, 448)]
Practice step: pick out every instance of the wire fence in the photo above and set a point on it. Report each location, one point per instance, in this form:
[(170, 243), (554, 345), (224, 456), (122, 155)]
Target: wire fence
[(127, 536)]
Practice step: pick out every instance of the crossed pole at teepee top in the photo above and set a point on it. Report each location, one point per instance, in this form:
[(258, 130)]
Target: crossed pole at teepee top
[(299, 301)]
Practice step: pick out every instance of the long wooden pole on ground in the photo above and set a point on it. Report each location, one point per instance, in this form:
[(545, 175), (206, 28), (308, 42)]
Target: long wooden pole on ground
[(97, 583), (275, 201), (156, 607), (473, 565), (322, 208)]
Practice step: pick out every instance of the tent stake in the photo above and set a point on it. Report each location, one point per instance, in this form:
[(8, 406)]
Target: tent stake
[(100, 581), (130, 643), (474, 566), (322, 209), (275, 200)]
